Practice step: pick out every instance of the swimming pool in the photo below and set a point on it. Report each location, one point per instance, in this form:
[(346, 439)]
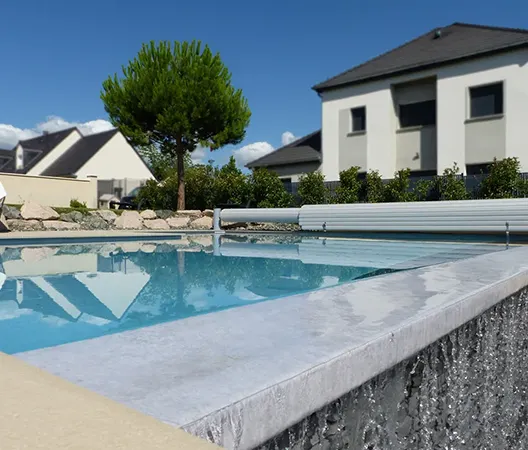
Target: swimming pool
[(56, 294)]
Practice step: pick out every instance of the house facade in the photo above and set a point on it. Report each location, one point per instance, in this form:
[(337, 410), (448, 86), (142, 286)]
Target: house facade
[(457, 94), (67, 153)]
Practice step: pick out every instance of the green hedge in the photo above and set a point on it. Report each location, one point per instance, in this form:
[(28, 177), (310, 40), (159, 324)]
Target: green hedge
[(208, 186)]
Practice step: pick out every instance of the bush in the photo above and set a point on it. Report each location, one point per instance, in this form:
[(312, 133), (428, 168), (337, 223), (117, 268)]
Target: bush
[(200, 186), (268, 191), (449, 186), (231, 185), (504, 180), (397, 189), (156, 195), (349, 186), (312, 189), (76, 204), (372, 188)]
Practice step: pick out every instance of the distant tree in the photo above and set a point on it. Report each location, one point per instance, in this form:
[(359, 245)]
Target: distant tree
[(176, 97)]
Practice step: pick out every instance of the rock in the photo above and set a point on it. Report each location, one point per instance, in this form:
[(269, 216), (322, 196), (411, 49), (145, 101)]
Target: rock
[(11, 254), (163, 213), (74, 217), (33, 211), (156, 224), (202, 223), (34, 254), (234, 225), (24, 225), (94, 222), (148, 248), (148, 214), (202, 241), (130, 247), (189, 213), (60, 226), (129, 220), (106, 215), (179, 222), (10, 212), (4, 227), (208, 213)]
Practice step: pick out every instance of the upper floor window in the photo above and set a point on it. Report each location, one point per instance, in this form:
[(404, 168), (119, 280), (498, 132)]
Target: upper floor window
[(486, 100), (5, 161), (359, 119), (418, 114), (30, 156)]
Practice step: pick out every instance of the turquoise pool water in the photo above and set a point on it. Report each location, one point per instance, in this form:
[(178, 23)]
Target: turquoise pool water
[(55, 294)]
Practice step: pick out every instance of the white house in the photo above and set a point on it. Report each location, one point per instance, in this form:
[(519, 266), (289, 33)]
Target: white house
[(68, 153), (455, 94)]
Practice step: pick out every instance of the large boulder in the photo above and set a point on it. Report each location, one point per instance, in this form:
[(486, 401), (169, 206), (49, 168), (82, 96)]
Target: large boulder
[(106, 214), (179, 222), (202, 223), (156, 224), (129, 220), (94, 222), (10, 212), (57, 225), (24, 225), (33, 211), (163, 213), (148, 214), (73, 217), (189, 213), (208, 213)]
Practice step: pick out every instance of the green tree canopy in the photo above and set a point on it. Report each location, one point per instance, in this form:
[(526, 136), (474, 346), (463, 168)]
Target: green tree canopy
[(177, 97)]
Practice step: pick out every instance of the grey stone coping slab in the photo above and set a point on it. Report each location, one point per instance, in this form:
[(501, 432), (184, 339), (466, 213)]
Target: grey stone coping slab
[(241, 376)]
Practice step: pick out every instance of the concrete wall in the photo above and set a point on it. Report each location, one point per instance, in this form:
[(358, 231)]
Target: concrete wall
[(49, 191), (116, 160), (294, 171), (485, 139), (55, 154), (352, 145), (416, 148), (452, 93)]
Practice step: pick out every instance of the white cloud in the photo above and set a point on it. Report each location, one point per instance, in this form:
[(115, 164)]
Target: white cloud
[(252, 152), (287, 138), (198, 155), (257, 150), (10, 135)]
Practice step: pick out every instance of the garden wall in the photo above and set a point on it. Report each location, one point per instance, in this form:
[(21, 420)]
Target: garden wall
[(49, 191)]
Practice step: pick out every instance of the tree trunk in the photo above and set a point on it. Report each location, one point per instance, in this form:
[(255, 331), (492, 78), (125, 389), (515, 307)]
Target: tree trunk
[(181, 179)]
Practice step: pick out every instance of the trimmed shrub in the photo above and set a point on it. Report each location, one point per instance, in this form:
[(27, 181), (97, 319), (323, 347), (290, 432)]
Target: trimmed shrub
[(231, 185), (397, 189), (159, 196), (200, 186), (372, 188), (504, 180), (267, 190), (451, 185), (312, 189), (349, 186), (77, 205)]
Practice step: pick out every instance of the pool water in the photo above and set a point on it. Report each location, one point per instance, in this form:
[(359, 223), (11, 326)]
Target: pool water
[(56, 294)]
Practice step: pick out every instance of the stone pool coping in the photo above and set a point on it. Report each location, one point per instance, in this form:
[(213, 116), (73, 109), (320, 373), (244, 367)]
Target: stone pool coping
[(241, 376), (41, 411)]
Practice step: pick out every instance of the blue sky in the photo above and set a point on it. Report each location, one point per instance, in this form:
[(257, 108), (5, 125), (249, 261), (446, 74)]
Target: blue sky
[(56, 53)]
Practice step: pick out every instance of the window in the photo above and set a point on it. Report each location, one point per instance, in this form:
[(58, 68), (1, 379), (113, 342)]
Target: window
[(359, 119), (287, 183), (486, 100), (418, 114), (5, 161), (477, 169)]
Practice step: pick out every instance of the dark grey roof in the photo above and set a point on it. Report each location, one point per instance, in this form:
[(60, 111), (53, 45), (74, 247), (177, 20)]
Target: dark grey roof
[(45, 143), (446, 45), (305, 149), (79, 154)]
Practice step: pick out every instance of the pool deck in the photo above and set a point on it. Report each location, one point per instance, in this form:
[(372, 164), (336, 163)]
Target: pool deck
[(42, 411), (243, 375)]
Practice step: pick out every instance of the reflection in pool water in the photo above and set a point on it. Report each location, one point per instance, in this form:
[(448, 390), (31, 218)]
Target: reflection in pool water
[(55, 295)]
